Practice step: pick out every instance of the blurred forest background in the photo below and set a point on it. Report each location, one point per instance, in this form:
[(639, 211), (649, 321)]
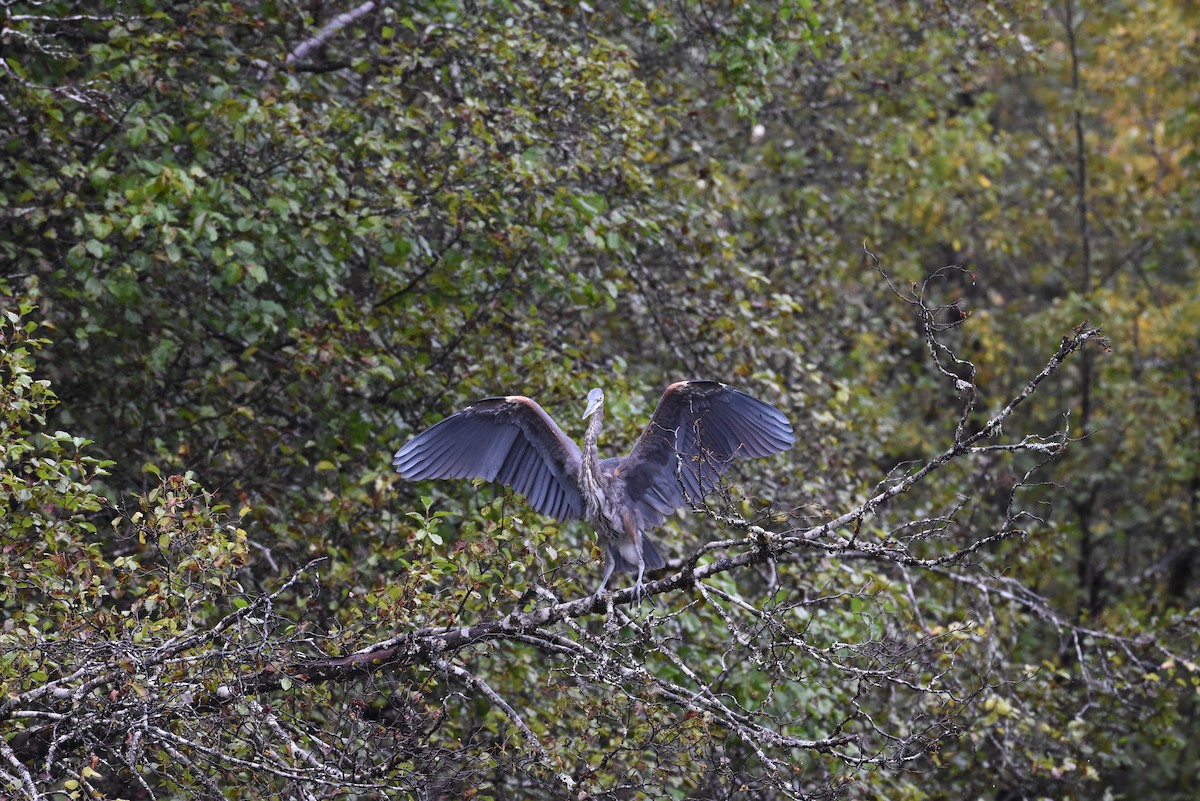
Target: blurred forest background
[(248, 248)]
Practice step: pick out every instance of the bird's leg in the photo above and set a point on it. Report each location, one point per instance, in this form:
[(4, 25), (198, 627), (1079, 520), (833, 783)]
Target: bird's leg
[(635, 536), (608, 571)]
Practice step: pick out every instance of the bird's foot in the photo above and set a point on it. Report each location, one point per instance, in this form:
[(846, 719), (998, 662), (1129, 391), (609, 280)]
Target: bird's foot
[(639, 590)]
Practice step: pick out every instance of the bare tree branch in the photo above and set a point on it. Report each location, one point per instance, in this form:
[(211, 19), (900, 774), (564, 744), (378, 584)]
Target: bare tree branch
[(173, 696), (302, 51)]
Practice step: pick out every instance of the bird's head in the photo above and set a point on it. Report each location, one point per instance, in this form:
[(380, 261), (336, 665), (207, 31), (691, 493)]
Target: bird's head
[(595, 401)]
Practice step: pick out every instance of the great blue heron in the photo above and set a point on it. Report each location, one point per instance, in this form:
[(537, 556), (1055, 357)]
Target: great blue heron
[(697, 430)]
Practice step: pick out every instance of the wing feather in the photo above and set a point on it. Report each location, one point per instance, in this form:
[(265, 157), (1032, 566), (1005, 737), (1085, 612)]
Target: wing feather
[(510, 440), (698, 428)]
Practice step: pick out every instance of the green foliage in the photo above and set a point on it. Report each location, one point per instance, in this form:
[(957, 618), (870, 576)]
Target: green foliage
[(45, 489), (253, 276)]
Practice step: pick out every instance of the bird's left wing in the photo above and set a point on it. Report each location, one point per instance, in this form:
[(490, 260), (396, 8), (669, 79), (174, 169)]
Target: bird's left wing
[(510, 440), (698, 429)]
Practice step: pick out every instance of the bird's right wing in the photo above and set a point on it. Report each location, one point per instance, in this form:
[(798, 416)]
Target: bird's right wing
[(510, 440), (698, 429)]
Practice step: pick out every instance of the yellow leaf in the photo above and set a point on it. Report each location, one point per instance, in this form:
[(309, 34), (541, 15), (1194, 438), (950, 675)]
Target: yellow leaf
[(984, 181)]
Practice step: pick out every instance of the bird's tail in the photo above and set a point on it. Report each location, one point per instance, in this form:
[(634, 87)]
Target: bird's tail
[(650, 557)]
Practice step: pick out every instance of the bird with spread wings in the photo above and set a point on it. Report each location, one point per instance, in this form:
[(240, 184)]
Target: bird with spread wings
[(697, 430)]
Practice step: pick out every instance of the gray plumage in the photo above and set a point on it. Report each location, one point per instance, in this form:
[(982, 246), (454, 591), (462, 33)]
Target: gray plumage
[(697, 430)]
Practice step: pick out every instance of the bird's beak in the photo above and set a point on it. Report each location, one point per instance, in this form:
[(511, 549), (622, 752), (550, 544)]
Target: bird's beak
[(591, 409)]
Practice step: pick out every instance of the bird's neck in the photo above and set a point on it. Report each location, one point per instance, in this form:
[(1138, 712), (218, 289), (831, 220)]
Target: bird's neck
[(591, 456)]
